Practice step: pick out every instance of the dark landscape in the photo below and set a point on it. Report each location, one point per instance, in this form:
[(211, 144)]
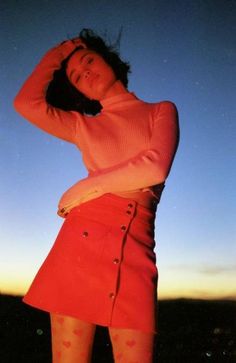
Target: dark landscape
[(190, 331)]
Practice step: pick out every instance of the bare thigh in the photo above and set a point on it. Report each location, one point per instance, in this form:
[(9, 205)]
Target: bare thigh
[(132, 346), (72, 339)]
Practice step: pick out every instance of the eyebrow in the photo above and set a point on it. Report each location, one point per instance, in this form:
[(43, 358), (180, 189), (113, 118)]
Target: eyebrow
[(84, 55)]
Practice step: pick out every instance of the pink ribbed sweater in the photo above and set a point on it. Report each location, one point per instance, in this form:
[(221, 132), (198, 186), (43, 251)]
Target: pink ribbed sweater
[(128, 147)]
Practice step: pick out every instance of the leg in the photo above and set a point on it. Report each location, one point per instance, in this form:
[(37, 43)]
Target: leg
[(132, 346), (72, 339)]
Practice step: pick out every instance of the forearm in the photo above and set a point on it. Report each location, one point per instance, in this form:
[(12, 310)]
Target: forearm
[(143, 171), (31, 103), (139, 173), (149, 167)]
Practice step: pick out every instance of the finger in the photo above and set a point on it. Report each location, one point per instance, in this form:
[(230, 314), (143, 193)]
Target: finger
[(60, 214), (68, 206), (63, 43), (63, 212), (63, 215), (64, 208), (78, 42), (66, 47)]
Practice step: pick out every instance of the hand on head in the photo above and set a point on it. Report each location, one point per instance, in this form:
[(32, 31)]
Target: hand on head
[(78, 42), (67, 47)]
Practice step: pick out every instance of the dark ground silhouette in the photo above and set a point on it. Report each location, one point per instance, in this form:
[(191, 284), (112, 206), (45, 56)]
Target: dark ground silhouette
[(190, 331)]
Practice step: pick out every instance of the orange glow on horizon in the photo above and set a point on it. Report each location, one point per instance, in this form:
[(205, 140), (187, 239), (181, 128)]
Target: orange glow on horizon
[(19, 289), (193, 285)]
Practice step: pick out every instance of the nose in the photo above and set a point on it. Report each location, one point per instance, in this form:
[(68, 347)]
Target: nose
[(87, 74)]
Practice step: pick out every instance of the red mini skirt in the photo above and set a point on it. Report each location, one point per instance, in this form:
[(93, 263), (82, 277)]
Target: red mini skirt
[(102, 267)]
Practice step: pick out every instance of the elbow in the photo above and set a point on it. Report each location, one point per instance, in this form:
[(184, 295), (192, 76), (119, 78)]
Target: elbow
[(157, 166), (162, 170), (22, 106), (18, 104), (160, 175), (15, 103)]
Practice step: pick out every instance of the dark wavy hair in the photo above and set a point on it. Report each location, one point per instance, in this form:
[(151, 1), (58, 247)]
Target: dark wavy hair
[(62, 94)]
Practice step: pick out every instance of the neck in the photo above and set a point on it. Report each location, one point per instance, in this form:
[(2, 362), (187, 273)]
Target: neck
[(116, 89)]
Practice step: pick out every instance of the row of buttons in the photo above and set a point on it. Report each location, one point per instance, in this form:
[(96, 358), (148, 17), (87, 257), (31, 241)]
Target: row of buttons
[(129, 206), (116, 260), (123, 227), (85, 233)]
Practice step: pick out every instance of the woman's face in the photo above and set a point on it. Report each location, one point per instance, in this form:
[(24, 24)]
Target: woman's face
[(90, 74)]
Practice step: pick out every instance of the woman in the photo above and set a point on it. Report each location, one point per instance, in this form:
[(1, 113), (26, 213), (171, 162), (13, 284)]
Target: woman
[(101, 268)]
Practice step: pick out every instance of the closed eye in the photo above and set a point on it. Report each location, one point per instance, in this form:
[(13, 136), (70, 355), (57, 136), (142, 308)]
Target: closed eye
[(77, 79), (71, 74), (90, 60)]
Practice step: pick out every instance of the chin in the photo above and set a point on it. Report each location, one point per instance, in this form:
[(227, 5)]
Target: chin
[(101, 94)]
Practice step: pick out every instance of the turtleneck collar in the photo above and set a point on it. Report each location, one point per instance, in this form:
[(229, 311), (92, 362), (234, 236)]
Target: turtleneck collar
[(118, 99)]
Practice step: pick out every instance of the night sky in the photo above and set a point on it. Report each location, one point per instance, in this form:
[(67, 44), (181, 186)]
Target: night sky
[(183, 51)]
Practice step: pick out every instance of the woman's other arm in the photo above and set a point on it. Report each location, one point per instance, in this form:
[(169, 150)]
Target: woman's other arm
[(31, 103), (148, 168), (151, 166)]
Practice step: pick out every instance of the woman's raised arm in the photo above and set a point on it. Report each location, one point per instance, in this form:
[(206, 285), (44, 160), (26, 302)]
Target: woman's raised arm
[(31, 103)]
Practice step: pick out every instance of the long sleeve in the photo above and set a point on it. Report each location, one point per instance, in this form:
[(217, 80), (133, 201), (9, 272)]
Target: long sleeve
[(148, 168), (30, 102), (151, 166)]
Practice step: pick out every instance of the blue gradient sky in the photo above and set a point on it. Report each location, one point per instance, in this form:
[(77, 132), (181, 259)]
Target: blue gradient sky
[(179, 50)]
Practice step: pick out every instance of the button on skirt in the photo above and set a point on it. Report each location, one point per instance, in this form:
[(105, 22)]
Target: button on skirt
[(102, 266)]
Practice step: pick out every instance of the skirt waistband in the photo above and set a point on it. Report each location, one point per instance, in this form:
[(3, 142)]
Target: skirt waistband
[(117, 205)]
